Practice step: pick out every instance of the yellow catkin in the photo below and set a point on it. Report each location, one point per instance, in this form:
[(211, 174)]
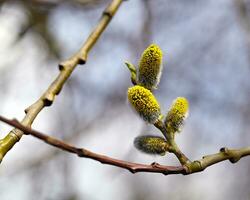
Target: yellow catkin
[(151, 145), (177, 114), (144, 103), (150, 67)]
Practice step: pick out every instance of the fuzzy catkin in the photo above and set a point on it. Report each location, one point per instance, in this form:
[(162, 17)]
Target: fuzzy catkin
[(144, 103), (150, 67), (151, 145), (176, 115)]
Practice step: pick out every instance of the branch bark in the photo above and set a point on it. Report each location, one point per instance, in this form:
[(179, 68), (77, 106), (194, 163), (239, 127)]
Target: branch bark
[(233, 155), (66, 68)]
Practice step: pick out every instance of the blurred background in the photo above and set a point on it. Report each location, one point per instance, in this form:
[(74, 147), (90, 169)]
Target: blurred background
[(206, 47)]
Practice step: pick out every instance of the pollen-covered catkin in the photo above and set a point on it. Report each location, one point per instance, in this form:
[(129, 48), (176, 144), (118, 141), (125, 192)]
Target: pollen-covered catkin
[(144, 103), (177, 114), (151, 144), (150, 67)]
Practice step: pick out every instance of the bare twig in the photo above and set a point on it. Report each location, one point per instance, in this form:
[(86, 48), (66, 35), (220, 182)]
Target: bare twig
[(66, 68), (233, 155), (173, 146)]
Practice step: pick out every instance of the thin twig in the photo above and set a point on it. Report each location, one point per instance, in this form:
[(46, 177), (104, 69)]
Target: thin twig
[(66, 68), (233, 155), (172, 144)]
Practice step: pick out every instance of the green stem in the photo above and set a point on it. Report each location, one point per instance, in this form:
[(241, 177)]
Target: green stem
[(173, 147), (178, 153), (233, 155), (7, 143)]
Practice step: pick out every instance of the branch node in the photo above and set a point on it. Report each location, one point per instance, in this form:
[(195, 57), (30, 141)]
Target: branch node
[(26, 110), (61, 67), (109, 12), (132, 170), (194, 167), (224, 150), (155, 165), (81, 152), (48, 100), (234, 159), (69, 63), (82, 61), (82, 57)]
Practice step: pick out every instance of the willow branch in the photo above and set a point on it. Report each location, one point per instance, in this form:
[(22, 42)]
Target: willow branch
[(81, 152), (233, 155), (66, 68)]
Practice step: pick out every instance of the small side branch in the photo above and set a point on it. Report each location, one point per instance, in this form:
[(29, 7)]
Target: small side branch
[(232, 155), (172, 144)]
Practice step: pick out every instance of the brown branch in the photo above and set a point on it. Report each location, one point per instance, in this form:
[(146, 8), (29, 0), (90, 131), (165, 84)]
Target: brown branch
[(66, 68), (81, 152), (233, 155)]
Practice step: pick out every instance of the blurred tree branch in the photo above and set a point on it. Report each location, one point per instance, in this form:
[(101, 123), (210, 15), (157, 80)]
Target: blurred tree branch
[(52, 3), (243, 14), (233, 155), (242, 9), (66, 68), (77, 132)]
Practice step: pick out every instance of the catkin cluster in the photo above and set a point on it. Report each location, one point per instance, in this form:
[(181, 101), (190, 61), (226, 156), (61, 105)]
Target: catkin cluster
[(140, 96)]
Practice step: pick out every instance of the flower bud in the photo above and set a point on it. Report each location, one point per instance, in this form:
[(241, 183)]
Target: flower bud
[(144, 103), (177, 114), (151, 145), (150, 67)]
